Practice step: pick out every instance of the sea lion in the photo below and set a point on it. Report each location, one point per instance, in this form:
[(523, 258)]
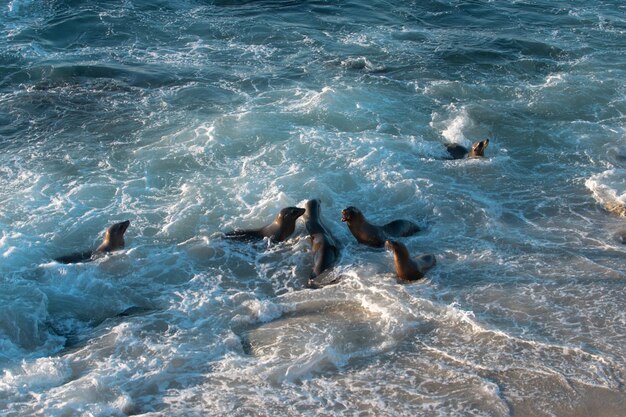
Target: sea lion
[(280, 229), (372, 235), (459, 152), (113, 240), (325, 250), (409, 269)]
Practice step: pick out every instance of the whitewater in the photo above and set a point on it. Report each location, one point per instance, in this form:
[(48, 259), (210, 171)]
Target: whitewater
[(192, 118)]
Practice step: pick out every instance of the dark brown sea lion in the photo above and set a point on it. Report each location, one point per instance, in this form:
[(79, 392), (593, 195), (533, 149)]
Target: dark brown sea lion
[(372, 235), (280, 229), (113, 240), (409, 269), (323, 244), (459, 152)]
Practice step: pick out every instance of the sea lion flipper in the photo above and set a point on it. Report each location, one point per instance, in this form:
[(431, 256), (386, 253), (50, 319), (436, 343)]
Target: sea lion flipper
[(456, 151), (243, 235), (401, 228), (322, 280), (75, 258), (133, 311), (279, 230)]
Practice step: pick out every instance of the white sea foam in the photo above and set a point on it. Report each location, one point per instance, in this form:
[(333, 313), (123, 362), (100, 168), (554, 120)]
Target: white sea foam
[(16, 6), (609, 188), (453, 125)]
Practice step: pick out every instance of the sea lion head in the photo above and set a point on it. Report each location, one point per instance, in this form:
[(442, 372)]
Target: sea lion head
[(392, 244), (478, 148), (313, 207), (396, 247), (114, 236), (289, 214), (350, 214)]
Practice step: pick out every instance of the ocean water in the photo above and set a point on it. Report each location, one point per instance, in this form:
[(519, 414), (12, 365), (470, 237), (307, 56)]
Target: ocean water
[(190, 118)]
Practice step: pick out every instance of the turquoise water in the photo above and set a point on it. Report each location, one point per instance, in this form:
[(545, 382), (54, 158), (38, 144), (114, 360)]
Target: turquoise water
[(190, 118)]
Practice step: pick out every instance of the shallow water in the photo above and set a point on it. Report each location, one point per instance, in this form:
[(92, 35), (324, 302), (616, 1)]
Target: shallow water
[(190, 118)]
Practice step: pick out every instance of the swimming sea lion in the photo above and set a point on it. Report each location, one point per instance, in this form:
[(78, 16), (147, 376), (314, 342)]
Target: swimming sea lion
[(113, 240), (459, 152), (372, 235), (280, 229), (409, 269), (325, 250)]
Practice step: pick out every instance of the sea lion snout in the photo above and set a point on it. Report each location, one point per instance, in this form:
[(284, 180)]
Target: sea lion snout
[(291, 212), (120, 227), (313, 204), (349, 213), (391, 244)]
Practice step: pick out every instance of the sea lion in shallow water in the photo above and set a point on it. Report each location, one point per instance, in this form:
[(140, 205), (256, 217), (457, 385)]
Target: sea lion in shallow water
[(372, 235), (323, 244), (113, 240), (409, 269), (280, 229), (459, 152)]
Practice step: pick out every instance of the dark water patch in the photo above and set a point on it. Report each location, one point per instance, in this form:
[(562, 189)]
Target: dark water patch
[(467, 15), (75, 30), (51, 107), (349, 12), (464, 56), (503, 58), (147, 76), (11, 70), (7, 129), (256, 4), (528, 48), (270, 32)]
